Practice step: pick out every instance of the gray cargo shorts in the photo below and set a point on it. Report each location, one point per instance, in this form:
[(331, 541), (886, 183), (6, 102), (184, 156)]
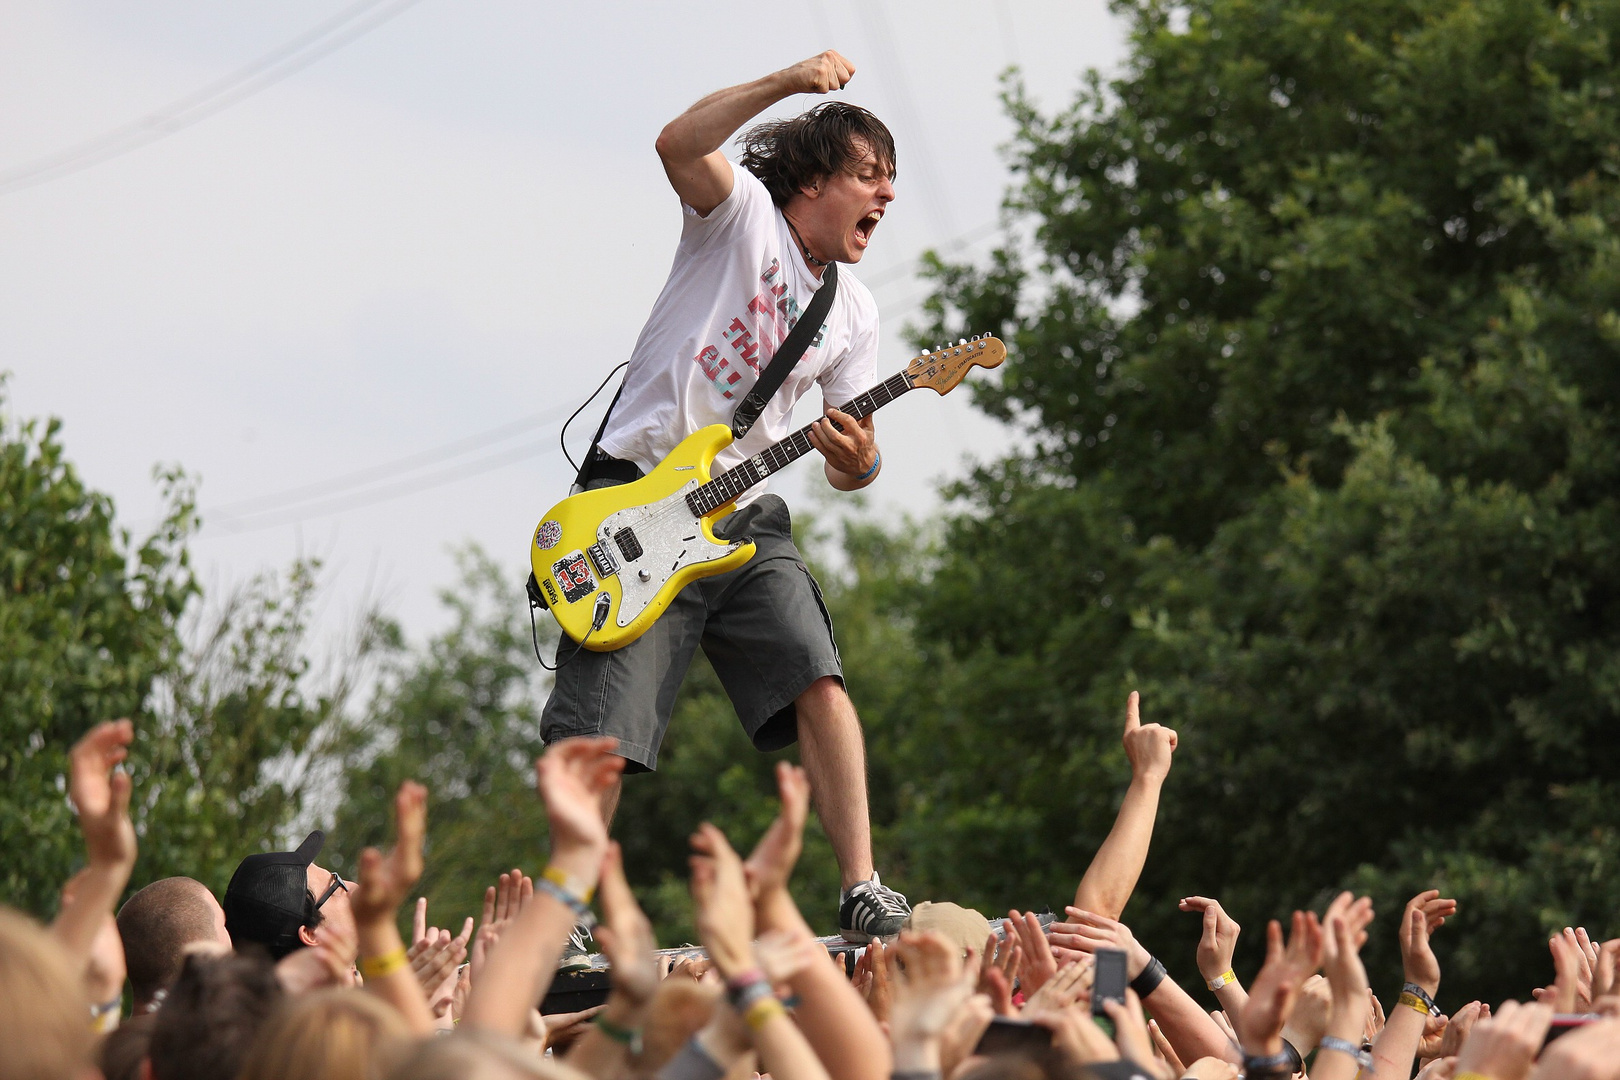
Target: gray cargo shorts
[(763, 626)]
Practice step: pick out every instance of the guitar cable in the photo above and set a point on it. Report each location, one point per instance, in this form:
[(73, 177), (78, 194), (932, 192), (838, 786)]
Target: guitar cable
[(562, 437), (598, 617)]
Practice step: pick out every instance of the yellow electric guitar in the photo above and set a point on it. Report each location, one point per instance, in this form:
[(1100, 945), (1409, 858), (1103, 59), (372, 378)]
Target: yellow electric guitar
[(608, 562)]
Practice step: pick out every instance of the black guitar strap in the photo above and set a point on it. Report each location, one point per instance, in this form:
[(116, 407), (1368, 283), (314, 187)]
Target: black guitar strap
[(776, 372)]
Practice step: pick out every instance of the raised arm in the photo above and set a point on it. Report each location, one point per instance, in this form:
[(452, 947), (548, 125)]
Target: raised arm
[(831, 1012), (101, 795), (1397, 1045), (690, 144), (1118, 863), (385, 881), (572, 775)]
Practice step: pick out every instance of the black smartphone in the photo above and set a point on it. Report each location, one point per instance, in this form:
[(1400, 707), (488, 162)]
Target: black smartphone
[(1005, 1035), (1564, 1023), (1110, 982)]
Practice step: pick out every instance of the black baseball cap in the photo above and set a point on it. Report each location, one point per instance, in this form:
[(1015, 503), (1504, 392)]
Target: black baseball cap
[(268, 898)]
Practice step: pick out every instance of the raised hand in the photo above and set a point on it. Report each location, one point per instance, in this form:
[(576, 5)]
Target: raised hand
[(385, 880), (1503, 1046), (1148, 746), (1276, 988), (771, 864), (1219, 940), (572, 776), (626, 934), (101, 793), (997, 968), (1603, 970), (818, 75), (1425, 913), (725, 911), (1086, 932), (1071, 984), (1076, 1036), (1588, 1053), (1038, 964), (873, 981), (925, 972), (1132, 1037), (1458, 1028), (1572, 990)]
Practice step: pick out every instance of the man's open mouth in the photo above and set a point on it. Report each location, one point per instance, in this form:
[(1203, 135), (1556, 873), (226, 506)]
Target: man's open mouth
[(864, 227)]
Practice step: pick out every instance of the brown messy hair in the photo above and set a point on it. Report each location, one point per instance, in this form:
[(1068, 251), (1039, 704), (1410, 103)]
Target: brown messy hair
[(791, 154)]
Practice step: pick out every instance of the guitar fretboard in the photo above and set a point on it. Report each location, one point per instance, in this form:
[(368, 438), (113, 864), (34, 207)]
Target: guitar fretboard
[(739, 478)]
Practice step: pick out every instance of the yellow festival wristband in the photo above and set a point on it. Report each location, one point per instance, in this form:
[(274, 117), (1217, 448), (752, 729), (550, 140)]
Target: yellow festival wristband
[(569, 883), (1415, 1003), (1219, 981), (377, 967), (763, 1012)]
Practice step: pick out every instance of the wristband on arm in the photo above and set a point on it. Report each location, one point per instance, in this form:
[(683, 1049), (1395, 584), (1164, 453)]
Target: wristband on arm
[(1415, 997), (1150, 978), (1344, 1046), (1229, 978)]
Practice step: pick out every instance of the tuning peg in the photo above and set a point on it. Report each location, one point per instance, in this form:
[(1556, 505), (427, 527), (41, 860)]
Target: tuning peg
[(961, 341), (928, 352)]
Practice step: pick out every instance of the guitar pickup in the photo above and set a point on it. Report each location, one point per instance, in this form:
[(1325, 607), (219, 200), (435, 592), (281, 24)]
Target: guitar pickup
[(629, 546), (604, 562)]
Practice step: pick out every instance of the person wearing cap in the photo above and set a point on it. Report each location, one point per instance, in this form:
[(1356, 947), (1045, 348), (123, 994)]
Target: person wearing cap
[(284, 902)]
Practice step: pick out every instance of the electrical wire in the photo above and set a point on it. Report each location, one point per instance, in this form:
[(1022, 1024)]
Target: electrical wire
[(349, 25), (389, 493), (261, 504)]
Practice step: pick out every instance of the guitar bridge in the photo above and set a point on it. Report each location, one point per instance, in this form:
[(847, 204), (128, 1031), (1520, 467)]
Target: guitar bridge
[(604, 562)]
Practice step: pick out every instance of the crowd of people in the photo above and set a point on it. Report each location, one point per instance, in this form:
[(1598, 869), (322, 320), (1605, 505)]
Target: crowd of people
[(301, 975)]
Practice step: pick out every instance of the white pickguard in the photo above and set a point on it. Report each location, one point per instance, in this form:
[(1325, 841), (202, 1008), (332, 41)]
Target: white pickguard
[(670, 537)]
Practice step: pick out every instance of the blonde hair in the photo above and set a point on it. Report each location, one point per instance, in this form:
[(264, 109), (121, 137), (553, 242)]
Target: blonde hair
[(44, 1015), (329, 1035), (480, 1055)]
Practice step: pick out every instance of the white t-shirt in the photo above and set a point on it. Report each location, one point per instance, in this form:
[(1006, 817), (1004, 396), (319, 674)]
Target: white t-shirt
[(737, 287)]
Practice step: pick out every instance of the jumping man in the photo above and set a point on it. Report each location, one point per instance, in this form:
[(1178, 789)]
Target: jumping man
[(755, 244)]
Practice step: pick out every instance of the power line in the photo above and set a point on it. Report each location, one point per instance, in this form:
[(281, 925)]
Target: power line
[(279, 500), (390, 492), (347, 26)]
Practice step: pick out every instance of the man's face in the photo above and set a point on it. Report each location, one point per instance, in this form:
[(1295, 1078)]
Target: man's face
[(337, 918), (838, 215)]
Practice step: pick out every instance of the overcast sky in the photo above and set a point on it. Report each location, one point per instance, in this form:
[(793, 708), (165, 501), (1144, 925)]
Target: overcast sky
[(411, 259)]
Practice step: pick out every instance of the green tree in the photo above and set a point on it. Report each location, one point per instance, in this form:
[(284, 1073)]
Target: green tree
[(1317, 337), (234, 731), (88, 621)]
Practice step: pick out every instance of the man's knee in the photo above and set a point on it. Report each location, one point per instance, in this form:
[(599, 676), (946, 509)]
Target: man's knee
[(822, 696)]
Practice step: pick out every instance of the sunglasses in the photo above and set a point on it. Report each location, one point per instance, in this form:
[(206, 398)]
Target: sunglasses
[(337, 883)]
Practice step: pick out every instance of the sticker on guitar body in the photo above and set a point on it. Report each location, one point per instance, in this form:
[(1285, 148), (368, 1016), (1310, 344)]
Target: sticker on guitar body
[(574, 575)]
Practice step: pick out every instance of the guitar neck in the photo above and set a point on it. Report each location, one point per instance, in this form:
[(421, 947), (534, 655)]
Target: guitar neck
[(726, 487)]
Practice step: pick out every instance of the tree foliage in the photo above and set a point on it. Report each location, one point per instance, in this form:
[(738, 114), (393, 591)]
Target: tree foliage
[(232, 726), (1318, 335)]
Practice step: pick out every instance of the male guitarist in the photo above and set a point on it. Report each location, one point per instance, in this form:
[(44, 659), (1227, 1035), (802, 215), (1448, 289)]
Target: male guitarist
[(756, 243)]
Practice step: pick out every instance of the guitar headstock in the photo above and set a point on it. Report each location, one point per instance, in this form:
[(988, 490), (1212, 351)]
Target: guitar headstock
[(941, 368)]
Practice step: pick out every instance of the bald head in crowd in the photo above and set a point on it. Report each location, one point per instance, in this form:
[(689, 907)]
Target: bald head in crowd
[(159, 925)]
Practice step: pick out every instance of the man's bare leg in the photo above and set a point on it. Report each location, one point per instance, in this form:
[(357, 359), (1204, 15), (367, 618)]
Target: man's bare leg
[(833, 751), (610, 801)]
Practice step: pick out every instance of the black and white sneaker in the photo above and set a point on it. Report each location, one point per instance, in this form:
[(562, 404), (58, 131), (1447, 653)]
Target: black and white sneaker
[(575, 957), (871, 910)]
